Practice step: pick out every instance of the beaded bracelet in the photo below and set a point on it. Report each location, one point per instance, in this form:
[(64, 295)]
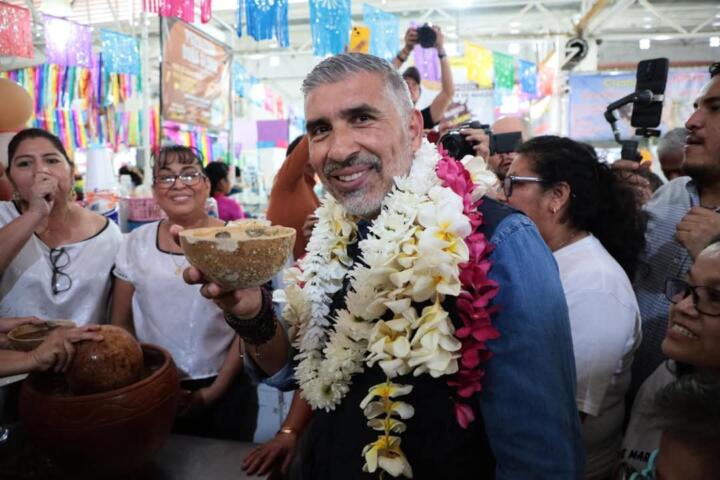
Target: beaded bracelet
[(259, 329)]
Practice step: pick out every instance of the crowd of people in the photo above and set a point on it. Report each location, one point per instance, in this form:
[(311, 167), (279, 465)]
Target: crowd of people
[(594, 302)]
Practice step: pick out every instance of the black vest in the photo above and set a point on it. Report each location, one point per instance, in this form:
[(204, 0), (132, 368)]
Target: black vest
[(435, 445)]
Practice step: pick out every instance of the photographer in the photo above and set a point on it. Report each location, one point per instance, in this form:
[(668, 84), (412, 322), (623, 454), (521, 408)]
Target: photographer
[(498, 162), (434, 113)]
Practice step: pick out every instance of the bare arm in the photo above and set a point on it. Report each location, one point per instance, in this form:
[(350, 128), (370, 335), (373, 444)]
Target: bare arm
[(15, 235), (122, 305), (279, 451), (55, 352), (231, 368), (443, 99), (410, 41), (245, 306)]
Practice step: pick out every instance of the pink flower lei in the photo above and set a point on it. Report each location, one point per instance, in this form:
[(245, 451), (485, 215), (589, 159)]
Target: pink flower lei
[(477, 292)]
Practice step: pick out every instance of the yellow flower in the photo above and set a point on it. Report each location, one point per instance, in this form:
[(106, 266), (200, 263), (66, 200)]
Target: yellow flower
[(389, 345), (385, 453), (387, 424)]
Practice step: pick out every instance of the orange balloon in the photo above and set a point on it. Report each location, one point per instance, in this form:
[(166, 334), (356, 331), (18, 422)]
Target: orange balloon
[(16, 106)]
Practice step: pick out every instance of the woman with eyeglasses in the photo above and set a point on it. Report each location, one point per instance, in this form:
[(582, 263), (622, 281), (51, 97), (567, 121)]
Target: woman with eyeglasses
[(592, 225), (152, 301), (56, 257), (692, 343)]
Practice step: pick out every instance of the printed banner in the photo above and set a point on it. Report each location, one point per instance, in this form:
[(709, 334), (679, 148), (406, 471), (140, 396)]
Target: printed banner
[(591, 94), (384, 32), (67, 43), (504, 70), (267, 19), (527, 72), (479, 62), (195, 77), (330, 25), (15, 31), (120, 53)]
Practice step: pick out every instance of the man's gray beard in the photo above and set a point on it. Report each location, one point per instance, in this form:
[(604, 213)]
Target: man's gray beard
[(356, 204)]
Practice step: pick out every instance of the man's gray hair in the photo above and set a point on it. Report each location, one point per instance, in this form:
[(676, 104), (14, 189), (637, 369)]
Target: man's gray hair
[(672, 141), (336, 68)]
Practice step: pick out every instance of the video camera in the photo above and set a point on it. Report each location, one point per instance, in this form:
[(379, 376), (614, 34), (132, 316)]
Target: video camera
[(647, 100), (458, 146)]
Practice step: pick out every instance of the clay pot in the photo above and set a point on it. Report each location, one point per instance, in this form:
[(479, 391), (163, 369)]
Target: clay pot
[(113, 432), (114, 362), (241, 255)]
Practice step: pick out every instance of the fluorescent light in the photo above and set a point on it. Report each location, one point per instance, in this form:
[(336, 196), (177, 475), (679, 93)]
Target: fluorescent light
[(514, 31), (661, 38), (517, 24), (647, 26), (715, 41), (644, 43)]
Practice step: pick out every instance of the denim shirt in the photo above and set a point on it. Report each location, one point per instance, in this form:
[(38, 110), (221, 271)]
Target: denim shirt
[(528, 396)]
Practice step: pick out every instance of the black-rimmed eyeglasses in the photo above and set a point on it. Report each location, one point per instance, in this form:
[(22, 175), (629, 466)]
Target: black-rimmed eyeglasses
[(509, 180), (705, 299), (59, 260), (167, 181)]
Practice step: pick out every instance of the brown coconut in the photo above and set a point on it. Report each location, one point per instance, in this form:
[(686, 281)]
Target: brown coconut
[(243, 254), (114, 362)]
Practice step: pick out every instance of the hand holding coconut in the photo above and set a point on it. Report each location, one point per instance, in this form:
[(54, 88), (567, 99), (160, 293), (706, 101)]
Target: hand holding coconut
[(232, 263)]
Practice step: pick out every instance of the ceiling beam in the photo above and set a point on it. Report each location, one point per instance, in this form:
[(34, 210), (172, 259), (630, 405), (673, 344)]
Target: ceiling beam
[(671, 23)]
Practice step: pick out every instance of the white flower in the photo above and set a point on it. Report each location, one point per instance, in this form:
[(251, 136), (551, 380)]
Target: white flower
[(483, 178)]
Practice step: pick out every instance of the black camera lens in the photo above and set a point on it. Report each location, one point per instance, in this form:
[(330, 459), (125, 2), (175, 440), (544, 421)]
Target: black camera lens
[(426, 36)]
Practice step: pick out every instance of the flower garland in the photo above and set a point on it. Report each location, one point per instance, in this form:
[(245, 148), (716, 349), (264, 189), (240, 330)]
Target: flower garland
[(422, 247)]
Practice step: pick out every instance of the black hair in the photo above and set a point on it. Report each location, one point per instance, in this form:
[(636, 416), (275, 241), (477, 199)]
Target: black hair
[(599, 202), (688, 409), (216, 172), (176, 153), (293, 145), (413, 73), (134, 173), (30, 133), (714, 69)]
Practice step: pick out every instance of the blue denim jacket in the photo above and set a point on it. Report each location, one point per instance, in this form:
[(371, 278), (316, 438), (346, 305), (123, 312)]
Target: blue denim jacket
[(528, 397)]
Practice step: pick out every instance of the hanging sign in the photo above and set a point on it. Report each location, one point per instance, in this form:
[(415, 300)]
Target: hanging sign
[(195, 77)]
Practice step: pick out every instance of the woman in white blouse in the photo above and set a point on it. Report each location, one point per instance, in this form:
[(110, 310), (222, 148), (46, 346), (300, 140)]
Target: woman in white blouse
[(152, 301), (56, 257), (592, 225)]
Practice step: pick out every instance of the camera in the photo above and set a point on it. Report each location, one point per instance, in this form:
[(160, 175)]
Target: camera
[(457, 146), (426, 36)]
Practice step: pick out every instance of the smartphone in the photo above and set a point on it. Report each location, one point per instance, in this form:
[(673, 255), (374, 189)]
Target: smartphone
[(360, 39), (651, 75), (504, 142)]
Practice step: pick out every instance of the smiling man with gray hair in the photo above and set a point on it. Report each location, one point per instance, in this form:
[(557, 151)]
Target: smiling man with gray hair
[(363, 133)]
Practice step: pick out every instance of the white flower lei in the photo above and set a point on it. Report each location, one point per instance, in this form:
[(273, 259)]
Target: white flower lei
[(412, 253)]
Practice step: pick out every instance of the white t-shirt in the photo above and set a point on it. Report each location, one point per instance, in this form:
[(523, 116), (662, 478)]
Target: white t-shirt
[(167, 311), (606, 330), (25, 286), (642, 437)]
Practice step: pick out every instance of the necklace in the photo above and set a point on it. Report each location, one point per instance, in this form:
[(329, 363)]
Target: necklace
[(178, 266)]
